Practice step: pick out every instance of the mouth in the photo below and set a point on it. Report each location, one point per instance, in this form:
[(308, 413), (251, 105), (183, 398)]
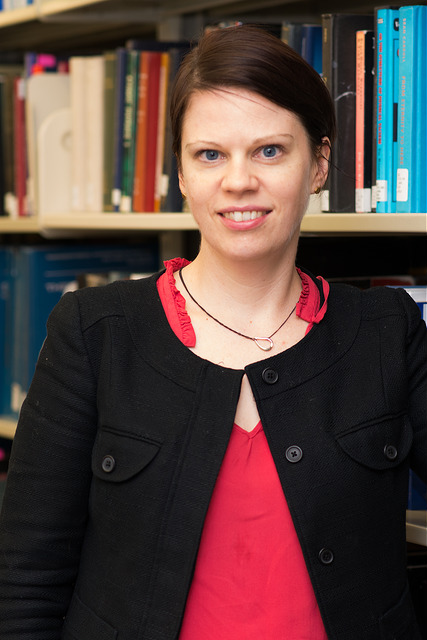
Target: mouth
[(243, 216)]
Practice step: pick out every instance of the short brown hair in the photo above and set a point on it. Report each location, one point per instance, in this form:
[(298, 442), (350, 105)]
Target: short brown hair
[(251, 58)]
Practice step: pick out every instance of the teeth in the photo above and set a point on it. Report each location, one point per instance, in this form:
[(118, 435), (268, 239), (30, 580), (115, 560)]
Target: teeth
[(239, 216)]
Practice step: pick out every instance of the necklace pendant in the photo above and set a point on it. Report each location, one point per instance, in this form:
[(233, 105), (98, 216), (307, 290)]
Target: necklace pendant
[(266, 344)]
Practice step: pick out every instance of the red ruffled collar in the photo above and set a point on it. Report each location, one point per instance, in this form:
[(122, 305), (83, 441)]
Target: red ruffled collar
[(309, 306)]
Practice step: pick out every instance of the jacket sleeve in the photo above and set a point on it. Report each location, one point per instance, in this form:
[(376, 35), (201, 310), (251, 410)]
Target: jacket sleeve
[(45, 505), (416, 362)]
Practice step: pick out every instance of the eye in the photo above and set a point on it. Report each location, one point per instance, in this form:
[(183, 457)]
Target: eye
[(270, 151), (209, 154)]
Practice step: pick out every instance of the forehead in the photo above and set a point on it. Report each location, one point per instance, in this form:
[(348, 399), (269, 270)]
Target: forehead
[(218, 109)]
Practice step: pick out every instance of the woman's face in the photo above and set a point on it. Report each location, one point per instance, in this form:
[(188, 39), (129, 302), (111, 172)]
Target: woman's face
[(247, 171)]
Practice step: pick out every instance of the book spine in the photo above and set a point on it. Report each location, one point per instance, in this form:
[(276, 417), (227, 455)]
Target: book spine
[(20, 146), (339, 42), (327, 54), (109, 92), (364, 116), (161, 126), (94, 113), (153, 117), (129, 128), (78, 125), (119, 97), (141, 134), (386, 108), (422, 110)]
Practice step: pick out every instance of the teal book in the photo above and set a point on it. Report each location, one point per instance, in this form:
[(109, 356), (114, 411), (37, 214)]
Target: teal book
[(42, 274), (412, 111), (387, 92), (129, 129)]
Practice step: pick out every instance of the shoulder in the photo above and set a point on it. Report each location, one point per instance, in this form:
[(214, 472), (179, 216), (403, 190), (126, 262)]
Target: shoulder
[(375, 302), (93, 304)]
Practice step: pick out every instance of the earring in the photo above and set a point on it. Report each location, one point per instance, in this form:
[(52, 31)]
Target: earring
[(317, 191)]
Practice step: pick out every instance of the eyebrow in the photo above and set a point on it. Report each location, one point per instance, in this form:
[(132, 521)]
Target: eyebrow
[(262, 140)]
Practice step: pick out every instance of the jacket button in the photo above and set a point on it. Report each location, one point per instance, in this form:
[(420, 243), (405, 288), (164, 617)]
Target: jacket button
[(270, 376), (293, 454), (326, 556), (108, 464), (390, 452)]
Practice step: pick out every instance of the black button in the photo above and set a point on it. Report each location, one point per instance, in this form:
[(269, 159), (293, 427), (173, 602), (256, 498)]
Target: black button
[(108, 464), (390, 452), (270, 376), (293, 454), (326, 556)]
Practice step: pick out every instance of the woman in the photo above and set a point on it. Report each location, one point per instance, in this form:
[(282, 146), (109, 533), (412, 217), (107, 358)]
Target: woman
[(221, 451)]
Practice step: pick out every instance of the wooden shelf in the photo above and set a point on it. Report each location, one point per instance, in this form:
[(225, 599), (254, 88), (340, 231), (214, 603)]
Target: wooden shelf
[(313, 223), (7, 428), (19, 225)]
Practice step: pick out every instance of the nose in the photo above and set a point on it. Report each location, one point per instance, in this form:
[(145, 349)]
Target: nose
[(239, 176)]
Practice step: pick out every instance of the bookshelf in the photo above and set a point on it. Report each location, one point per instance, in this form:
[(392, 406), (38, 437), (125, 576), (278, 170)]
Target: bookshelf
[(313, 223), (59, 25)]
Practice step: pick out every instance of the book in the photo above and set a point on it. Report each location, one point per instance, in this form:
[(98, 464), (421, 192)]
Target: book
[(305, 39), (419, 294), (171, 198), (141, 134), (8, 73), (159, 187), (42, 275), (6, 322), (152, 129), (46, 93), (364, 119), (110, 61), (412, 111), (119, 106), (387, 80), (94, 115), (78, 125), (20, 142), (129, 129), (311, 45), (339, 74)]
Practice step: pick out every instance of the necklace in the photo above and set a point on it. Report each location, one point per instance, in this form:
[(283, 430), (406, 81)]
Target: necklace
[(265, 344)]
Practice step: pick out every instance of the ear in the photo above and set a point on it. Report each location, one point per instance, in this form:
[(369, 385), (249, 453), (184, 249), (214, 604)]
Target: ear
[(321, 165), (181, 183)]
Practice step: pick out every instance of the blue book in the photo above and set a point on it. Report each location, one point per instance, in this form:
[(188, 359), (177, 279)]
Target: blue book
[(417, 493), (119, 107), (43, 274), (421, 160), (387, 88), (311, 45), (411, 155), (6, 325)]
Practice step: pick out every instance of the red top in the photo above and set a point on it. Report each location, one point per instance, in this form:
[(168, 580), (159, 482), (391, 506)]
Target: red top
[(250, 579)]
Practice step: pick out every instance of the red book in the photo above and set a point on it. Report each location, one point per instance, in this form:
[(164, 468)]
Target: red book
[(19, 141), (152, 124), (141, 134)]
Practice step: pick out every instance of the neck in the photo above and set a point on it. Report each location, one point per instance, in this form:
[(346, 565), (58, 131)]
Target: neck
[(246, 287)]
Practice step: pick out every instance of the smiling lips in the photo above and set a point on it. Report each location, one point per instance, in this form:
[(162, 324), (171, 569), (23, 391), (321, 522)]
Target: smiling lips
[(243, 216)]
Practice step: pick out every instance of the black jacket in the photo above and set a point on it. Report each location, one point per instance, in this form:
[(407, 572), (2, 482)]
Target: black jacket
[(122, 435)]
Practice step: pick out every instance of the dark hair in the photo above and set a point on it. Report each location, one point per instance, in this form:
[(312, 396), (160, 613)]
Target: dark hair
[(251, 58)]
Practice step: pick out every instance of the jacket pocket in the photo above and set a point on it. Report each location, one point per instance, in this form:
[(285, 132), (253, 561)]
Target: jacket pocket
[(118, 455), (399, 623), (81, 623), (381, 445)]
